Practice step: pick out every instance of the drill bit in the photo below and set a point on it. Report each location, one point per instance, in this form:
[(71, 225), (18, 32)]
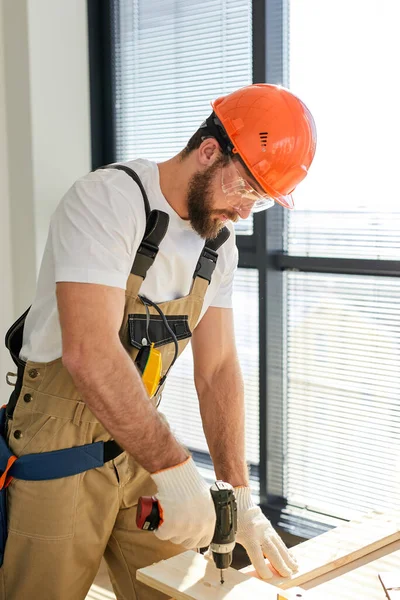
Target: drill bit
[(222, 576)]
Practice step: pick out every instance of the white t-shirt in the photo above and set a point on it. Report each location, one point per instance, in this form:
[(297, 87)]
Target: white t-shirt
[(93, 238)]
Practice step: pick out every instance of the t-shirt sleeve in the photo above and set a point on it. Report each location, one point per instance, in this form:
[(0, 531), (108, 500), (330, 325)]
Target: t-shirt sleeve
[(223, 297), (93, 234)]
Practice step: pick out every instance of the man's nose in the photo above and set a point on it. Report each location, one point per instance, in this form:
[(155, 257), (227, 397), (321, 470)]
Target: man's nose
[(243, 212)]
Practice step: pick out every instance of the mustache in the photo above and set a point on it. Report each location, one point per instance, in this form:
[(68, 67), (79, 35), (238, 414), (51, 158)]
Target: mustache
[(231, 216)]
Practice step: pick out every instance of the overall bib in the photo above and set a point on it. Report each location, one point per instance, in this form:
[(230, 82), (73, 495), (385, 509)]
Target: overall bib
[(59, 528)]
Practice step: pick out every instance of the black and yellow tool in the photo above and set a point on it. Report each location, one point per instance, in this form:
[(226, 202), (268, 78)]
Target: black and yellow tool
[(149, 363), (149, 360), (223, 541)]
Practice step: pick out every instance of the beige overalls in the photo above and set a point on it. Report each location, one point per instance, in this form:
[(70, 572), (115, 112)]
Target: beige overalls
[(59, 530)]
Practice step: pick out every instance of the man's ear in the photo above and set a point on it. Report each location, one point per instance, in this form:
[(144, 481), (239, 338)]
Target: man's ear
[(208, 152)]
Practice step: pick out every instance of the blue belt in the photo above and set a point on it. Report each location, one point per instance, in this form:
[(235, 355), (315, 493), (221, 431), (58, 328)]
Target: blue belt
[(45, 466)]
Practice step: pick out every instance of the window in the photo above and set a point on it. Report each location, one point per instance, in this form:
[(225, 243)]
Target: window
[(342, 330), (349, 206), (343, 412)]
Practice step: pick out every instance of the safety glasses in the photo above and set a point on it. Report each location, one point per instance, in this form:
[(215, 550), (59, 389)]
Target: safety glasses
[(240, 194)]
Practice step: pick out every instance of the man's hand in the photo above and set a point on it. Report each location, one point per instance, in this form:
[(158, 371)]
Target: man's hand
[(187, 508), (260, 540)]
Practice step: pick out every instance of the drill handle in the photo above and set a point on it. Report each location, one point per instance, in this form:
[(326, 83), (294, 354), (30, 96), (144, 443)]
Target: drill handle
[(148, 514)]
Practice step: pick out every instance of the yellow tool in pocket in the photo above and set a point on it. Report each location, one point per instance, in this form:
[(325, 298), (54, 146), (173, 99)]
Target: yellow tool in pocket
[(149, 363)]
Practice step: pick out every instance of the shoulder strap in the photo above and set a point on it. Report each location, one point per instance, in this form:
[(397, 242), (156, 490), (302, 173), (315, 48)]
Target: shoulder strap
[(209, 256), (135, 178), (216, 243), (156, 227)]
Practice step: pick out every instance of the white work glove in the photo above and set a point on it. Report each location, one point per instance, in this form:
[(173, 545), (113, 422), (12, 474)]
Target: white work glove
[(259, 539), (187, 508)]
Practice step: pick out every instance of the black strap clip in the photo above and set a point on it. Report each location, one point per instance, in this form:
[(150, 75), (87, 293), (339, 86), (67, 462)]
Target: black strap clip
[(144, 258), (206, 264)]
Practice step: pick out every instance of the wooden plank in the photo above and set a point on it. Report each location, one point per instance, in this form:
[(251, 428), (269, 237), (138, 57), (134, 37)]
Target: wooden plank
[(361, 583), (354, 566), (340, 546), (190, 576)]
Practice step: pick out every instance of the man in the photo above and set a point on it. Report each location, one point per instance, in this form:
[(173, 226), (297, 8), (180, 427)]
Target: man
[(121, 291)]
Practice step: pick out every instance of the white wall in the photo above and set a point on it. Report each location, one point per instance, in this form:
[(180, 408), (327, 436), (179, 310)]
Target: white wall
[(19, 150), (6, 295), (59, 75), (44, 133)]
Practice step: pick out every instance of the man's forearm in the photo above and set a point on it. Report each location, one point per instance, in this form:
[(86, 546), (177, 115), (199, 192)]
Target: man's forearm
[(223, 415), (112, 388)]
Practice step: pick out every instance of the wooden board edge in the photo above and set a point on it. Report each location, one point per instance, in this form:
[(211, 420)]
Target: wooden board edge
[(156, 585), (352, 566), (332, 565)]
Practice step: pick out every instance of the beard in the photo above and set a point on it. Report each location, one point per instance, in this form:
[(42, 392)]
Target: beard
[(203, 218)]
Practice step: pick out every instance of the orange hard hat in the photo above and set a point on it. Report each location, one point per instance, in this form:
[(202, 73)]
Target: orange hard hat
[(274, 134)]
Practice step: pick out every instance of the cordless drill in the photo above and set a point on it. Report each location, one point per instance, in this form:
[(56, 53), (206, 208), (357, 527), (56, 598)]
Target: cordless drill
[(223, 542)]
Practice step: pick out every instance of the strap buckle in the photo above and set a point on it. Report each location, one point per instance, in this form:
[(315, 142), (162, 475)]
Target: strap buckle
[(5, 478), (145, 256), (148, 249), (206, 264), (8, 380)]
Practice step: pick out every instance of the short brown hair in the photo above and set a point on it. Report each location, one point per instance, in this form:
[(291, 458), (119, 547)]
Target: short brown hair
[(194, 143)]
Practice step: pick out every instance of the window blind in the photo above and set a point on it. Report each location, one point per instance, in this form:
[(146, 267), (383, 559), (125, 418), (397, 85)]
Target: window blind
[(180, 403), (170, 59), (343, 331), (343, 405)]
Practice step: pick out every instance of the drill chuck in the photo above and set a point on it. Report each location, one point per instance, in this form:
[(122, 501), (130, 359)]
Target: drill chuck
[(222, 554)]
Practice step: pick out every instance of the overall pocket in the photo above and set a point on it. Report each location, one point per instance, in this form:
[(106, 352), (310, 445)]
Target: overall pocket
[(141, 333), (42, 509)]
